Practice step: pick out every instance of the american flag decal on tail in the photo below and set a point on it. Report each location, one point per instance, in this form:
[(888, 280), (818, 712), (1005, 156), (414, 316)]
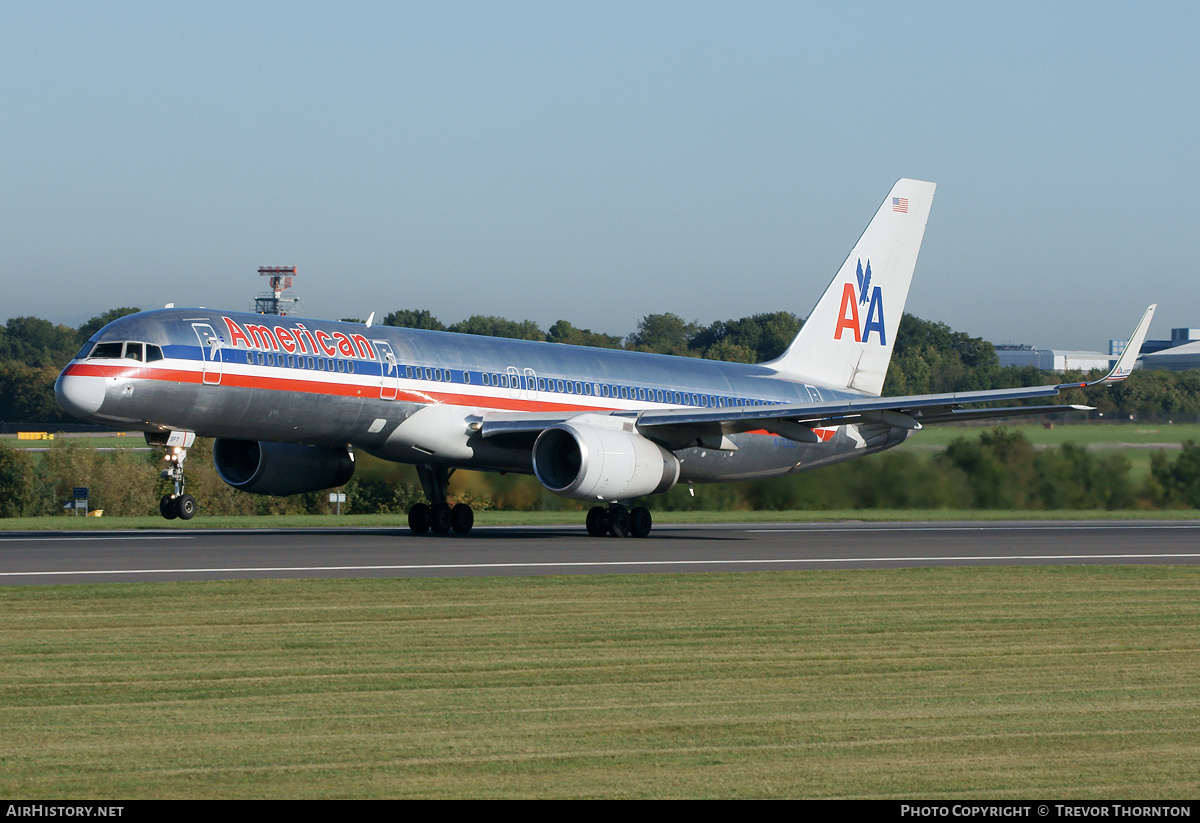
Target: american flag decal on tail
[(900, 204)]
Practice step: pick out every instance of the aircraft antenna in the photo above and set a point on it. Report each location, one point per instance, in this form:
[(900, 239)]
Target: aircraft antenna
[(276, 301)]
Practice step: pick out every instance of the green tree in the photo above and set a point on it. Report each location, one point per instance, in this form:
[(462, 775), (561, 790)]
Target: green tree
[(564, 332), (37, 342), (1178, 479), (27, 394), (17, 483), (1071, 477), (761, 337), (663, 334), (999, 468), (414, 319), (489, 326)]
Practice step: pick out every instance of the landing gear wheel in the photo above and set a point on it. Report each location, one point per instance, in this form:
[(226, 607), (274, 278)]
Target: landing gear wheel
[(418, 518), (441, 519), (618, 521), (640, 522), (462, 518), (186, 506), (168, 507), (597, 521)]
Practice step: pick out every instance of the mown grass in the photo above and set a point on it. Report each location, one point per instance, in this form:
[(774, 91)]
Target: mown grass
[(935, 683), (575, 518)]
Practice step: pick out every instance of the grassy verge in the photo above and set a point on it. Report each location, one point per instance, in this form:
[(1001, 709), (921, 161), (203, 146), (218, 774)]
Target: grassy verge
[(573, 518), (940, 683)]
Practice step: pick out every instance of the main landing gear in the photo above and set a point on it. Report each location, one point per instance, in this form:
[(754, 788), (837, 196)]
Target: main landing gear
[(176, 444), (439, 517), (619, 521)]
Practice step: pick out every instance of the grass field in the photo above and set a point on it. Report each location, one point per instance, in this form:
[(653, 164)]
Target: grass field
[(1068, 682), (575, 519)]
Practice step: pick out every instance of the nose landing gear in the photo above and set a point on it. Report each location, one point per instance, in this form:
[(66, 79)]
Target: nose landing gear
[(176, 445)]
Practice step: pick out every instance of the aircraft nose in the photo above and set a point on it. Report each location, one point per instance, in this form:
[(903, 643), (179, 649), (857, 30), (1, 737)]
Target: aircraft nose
[(81, 394)]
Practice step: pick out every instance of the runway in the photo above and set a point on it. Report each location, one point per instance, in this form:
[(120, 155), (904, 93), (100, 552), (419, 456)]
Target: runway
[(60, 557)]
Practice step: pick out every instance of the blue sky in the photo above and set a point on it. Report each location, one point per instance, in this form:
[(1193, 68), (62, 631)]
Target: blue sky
[(600, 162)]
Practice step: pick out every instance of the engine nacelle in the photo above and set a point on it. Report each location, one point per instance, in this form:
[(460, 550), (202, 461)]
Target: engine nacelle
[(589, 462), (265, 467)]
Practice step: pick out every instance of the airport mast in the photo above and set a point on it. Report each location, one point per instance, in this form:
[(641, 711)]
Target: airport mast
[(275, 301)]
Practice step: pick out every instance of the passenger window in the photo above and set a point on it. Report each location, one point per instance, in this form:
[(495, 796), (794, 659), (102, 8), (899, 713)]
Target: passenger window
[(541, 384), (466, 376), (560, 385), (350, 366)]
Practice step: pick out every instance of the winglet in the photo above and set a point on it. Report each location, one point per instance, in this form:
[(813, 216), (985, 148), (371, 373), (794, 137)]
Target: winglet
[(1132, 349)]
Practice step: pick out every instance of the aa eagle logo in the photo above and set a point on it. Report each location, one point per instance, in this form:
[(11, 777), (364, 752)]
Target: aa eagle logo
[(848, 317)]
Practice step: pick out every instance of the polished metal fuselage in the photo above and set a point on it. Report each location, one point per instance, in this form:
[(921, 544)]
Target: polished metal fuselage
[(418, 396)]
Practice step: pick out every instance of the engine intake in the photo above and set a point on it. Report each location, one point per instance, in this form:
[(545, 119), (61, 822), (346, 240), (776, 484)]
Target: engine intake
[(265, 467), (597, 463)]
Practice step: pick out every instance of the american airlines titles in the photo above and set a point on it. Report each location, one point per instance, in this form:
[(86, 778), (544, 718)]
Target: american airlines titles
[(298, 340)]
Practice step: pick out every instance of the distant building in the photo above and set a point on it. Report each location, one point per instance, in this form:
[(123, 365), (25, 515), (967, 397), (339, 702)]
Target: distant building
[(1180, 353), (1175, 358), (1052, 359)]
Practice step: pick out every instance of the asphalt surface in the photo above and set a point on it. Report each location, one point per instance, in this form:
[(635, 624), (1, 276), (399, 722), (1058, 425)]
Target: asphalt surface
[(58, 557)]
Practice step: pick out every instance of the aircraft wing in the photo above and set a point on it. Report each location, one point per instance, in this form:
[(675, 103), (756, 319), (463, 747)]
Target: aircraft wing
[(679, 428)]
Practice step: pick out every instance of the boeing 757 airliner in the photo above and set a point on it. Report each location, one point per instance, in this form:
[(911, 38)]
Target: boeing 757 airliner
[(290, 400)]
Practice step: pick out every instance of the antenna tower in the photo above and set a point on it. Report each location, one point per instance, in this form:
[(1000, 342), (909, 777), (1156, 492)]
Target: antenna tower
[(275, 301)]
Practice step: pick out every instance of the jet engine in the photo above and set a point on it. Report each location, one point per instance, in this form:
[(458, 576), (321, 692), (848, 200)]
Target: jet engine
[(264, 467), (588, 462)]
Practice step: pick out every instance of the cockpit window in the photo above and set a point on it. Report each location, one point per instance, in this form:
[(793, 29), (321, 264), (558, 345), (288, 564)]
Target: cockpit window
[(118, 350), (108, 351)]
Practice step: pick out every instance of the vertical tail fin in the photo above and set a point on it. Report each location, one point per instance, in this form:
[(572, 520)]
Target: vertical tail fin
[(847, 340)]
